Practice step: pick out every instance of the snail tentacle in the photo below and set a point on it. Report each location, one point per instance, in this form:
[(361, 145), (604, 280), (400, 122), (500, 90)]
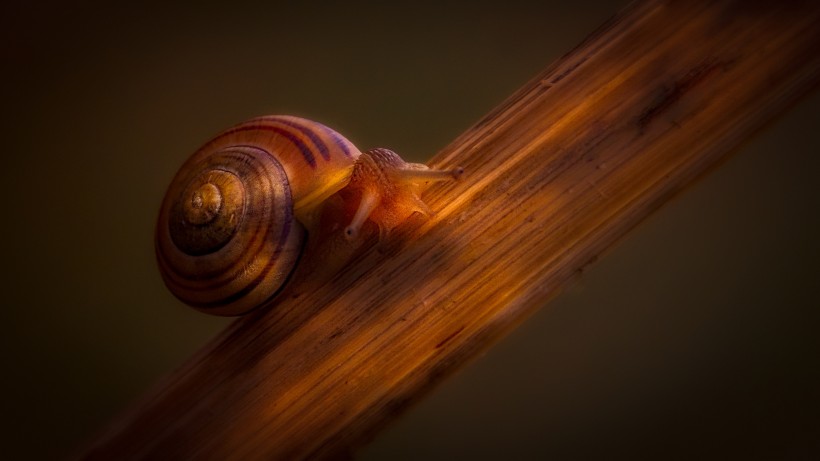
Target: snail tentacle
[(370, 200)]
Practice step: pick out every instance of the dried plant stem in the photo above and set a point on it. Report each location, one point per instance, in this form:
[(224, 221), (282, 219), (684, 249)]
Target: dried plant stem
[(554, 176)]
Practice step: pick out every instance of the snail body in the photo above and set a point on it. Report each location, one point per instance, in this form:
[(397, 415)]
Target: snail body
[(234, 221)]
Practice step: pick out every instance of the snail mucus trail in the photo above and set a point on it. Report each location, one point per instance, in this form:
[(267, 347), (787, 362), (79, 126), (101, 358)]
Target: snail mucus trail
[(236, 217)]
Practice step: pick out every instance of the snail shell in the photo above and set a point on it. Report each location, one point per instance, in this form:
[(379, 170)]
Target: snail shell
[(233, 222)]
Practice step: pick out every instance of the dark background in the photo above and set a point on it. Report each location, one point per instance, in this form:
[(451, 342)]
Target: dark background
[(695, 338)]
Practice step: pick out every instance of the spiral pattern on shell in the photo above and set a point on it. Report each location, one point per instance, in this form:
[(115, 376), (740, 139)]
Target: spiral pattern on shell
[(226, 238)]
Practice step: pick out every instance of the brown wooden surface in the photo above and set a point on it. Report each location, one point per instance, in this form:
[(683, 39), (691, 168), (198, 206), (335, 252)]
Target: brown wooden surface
[(555, 175)]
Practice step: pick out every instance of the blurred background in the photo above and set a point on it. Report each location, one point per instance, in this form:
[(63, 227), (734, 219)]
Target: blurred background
[(696, 337)]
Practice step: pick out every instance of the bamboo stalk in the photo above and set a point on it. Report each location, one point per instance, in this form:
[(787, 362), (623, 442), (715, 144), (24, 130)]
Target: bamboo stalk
[(555, 175)]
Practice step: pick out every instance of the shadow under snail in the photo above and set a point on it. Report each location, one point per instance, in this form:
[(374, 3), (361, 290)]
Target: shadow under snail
[(233, 223)]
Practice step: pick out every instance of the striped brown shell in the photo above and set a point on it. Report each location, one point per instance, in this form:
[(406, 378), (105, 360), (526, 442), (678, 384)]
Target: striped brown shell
[(227, 236)]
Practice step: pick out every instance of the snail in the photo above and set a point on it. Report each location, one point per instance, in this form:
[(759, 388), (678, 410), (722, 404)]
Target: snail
[(234, 221)]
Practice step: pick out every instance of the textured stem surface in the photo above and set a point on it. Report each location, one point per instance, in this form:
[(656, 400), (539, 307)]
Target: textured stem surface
[(554, 176)]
